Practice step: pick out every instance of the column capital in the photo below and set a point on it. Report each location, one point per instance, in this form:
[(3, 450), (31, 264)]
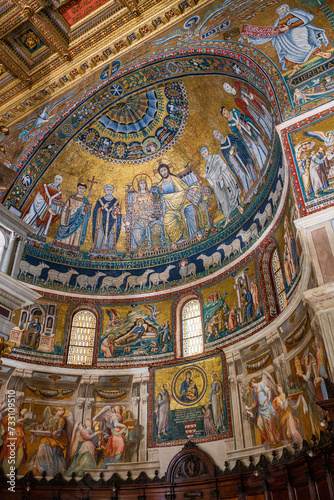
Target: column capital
[(277, 363), (89, 403), (135, 400), (81, 402), (319, 299)]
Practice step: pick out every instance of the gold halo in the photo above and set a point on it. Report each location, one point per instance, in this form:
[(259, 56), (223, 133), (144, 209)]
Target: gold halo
[(141, 177), (158, 163)]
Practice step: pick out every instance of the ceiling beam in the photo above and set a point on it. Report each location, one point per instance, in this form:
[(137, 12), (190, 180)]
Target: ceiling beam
[(12, 62), (49, 34)]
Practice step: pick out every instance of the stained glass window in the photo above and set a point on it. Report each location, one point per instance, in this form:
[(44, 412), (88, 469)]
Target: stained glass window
[(279, 282), (192, 331), (80, 351)]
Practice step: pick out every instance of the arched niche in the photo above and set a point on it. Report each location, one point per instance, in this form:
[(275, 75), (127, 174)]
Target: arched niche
[(191, 464)]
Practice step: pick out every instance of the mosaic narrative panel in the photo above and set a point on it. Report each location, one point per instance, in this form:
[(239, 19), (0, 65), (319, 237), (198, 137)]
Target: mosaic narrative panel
[(189, 401), (310, 152)]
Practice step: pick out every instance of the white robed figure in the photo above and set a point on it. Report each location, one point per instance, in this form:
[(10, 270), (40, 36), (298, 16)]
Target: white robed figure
[(297, 39), (238, 160), (224, 185), (44, 210)]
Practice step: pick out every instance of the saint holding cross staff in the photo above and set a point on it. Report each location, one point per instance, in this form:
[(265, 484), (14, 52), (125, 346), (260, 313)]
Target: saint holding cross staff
[(74, 219)]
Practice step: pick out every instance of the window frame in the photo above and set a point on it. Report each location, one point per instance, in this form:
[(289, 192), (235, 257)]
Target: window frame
[(73, 315), (177, 322), (273, 273)]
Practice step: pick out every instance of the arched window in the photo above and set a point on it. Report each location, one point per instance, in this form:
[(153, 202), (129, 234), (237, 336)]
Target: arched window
[(278, 280), (81, 347), (192, 328)]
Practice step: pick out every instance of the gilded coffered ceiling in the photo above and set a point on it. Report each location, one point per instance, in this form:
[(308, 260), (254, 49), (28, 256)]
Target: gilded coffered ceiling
[(46, 44)]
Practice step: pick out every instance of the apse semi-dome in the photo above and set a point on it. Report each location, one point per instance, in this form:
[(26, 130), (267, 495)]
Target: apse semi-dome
[(152, 181)]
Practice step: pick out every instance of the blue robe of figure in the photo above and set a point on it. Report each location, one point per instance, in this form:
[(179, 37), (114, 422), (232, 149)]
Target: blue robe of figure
[(74, 222), (240, 162), (188, 391), (249, 313)]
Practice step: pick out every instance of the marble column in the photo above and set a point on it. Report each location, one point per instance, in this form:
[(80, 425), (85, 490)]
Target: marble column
[(6, 261), (143, 416), (235, 405), (18, 257), (246, 425)]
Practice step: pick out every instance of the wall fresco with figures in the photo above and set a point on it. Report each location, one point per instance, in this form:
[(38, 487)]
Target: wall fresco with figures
[(309, 149), (70, 423), (66, 423), (189, 401), (279, 396), (54, 434)]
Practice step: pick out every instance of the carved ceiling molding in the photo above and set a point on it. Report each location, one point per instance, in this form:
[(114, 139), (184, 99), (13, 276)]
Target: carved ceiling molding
[(34, 79)]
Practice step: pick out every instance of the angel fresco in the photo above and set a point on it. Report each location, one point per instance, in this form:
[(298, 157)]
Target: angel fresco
[(213, 21), (83, 448), (288, 423), (114, 431), (262, 409), (55, 432), (327, 138)]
